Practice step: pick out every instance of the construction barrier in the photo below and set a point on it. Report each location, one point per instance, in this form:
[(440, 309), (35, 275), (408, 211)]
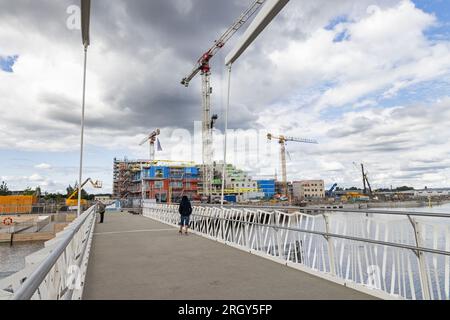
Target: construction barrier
[(17, 204)]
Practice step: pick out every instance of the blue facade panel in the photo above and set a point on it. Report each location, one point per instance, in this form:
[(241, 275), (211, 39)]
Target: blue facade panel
[(267, 186), (230, 198), (161, 172), (191, 170), (158, 172)]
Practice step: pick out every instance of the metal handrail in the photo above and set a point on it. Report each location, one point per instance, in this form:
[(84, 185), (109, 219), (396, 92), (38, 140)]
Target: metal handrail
[(32, 283), (393, 212), (275, 234), (335, 235)]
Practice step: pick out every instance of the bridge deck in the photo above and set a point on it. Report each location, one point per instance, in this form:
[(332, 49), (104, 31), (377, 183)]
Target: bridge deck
[(133, 257)]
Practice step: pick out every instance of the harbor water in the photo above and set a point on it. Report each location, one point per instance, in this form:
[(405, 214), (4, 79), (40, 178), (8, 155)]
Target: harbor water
[(12, 258)]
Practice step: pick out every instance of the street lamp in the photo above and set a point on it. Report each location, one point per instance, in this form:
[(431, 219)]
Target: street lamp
[(264, 17), (225, 136), (85, 17)]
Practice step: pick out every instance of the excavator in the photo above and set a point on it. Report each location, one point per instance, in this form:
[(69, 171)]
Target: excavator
[(73, 201), (329, 193)]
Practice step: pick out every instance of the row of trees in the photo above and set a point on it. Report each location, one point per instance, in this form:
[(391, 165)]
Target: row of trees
[(4, 191), (402, 188)]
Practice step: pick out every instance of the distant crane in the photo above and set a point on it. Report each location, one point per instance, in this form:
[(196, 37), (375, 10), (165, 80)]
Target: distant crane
[(203, 67), (366, 184), (282, 141), (151, 138), (329, 192), (365, 180)]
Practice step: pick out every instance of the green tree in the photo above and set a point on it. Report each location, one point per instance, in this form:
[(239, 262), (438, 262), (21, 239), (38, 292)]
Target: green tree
[(404, 188), (58, 197), (382, 190), (28, 192), (4, 191)]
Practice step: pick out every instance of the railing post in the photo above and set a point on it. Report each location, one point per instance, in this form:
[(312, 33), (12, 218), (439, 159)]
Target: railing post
[(222, 222), (422, 262), (330, 246), (275, 218), (246, 229), (232, 223)]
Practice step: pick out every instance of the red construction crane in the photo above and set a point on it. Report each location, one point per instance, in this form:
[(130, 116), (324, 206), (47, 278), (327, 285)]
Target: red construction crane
[(151, 138), (203, 67)]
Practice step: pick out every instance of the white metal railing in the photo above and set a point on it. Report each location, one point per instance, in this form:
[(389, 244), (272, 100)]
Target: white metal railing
[(389, 254), (57, 271)]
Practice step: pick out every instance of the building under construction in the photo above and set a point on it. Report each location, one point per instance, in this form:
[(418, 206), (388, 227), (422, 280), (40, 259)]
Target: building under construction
[(123, 171), (168, 181), (164, 181)]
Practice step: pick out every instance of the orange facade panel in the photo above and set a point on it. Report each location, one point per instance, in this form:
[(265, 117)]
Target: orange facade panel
[(17, 204)]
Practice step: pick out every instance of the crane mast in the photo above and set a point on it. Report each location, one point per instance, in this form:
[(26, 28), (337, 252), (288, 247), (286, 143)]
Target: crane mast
[(365, 180), (283, 166), (282, 141), (203, 67), (151, 138), (207, 170)]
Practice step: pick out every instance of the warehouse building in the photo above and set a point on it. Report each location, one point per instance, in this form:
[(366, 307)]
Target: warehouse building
[(308, 189)]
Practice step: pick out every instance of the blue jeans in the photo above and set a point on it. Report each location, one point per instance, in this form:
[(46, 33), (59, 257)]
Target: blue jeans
[(184, 221)]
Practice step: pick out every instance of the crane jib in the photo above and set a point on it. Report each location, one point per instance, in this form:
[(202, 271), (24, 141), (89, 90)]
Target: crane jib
[(204, 68), (220, 43)]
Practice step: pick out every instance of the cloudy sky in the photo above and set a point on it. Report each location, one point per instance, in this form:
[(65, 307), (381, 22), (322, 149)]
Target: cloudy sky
[(369, 79)]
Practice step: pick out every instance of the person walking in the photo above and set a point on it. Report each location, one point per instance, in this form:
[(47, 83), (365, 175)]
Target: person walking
[(185, 211), (101, 210)]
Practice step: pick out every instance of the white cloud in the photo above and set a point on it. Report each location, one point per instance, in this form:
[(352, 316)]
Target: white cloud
[(385, 51), (293, 70), (399, 145), (35, 177), (44, 166)]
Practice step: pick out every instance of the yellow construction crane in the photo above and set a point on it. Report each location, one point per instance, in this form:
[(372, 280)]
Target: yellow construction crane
[(282, 141), (70, 201)]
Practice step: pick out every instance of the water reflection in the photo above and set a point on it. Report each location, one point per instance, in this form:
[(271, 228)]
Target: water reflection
[(12, 258)]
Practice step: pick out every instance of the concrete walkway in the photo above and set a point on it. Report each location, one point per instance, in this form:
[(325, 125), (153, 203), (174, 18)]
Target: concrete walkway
[(134, 257)]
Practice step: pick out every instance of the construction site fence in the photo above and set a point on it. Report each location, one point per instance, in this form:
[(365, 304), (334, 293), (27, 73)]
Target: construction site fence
[(39, 208)]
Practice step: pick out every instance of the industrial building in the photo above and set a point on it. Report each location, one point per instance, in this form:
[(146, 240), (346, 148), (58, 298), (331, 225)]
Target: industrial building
[(308, 189), (102, 198)]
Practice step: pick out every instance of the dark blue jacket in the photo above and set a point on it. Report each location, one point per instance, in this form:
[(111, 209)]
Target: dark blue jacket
[(185, 208)]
